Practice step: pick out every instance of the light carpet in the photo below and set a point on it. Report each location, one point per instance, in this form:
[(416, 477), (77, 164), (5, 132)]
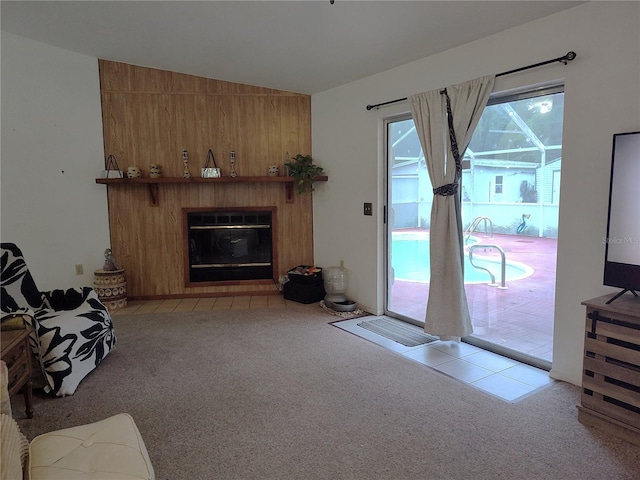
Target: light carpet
[(282, 394)]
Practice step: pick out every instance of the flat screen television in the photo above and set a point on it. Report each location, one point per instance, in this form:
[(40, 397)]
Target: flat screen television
[(622, 243)]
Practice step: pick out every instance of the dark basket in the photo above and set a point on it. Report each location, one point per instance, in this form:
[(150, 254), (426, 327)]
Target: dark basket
[(315, 277), (299, 292)]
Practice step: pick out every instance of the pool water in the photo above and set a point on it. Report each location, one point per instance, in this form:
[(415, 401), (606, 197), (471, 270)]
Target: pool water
[(410, 261)]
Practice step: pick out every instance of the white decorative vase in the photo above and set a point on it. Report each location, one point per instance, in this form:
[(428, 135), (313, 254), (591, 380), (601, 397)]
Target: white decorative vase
[(134, 172)]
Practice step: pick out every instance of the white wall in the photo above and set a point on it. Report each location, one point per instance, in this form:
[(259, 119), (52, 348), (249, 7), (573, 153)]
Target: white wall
[(602, 96), (52, 152)]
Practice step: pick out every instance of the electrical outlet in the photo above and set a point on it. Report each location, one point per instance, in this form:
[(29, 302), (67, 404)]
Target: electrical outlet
[(79, 269), (368, 208)]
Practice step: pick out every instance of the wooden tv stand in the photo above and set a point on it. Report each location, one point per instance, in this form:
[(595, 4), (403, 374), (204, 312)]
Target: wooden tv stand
[(611, 367)]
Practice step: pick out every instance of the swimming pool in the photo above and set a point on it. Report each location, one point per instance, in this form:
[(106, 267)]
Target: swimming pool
[(410, 261)]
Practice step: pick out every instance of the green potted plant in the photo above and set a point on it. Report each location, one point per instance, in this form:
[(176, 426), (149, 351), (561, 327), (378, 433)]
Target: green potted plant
[(304, 171)]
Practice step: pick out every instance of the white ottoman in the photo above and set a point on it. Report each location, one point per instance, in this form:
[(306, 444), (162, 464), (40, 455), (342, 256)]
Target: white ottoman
[(111, 449)]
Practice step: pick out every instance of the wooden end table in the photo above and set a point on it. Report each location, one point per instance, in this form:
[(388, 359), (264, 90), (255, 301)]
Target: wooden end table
[(16, 353)]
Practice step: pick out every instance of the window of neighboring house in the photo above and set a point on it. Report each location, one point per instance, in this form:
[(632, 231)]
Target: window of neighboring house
[(498, 184)]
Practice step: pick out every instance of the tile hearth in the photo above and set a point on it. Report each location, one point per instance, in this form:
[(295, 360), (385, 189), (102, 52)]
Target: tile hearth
[(248, 302)]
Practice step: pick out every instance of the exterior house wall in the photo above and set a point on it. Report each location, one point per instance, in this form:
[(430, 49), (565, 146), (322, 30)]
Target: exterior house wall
[(483, 184)]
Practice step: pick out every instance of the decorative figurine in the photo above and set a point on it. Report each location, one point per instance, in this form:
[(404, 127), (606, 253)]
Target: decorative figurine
[(109, 261), (134, 172), (286, 166), (155, 171), (233, 173), (185, 162)]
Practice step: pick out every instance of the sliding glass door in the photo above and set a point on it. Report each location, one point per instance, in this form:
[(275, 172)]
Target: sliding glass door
[(510, 195), (409, 200)]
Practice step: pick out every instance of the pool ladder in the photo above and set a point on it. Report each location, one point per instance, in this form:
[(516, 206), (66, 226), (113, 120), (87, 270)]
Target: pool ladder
[(503, 265), (473, 226)]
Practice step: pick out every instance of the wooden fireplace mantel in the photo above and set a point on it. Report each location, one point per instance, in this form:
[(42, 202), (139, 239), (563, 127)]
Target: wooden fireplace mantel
[(153, 184)]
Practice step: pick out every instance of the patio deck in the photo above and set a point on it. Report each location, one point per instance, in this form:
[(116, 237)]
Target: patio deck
[(520, 317)]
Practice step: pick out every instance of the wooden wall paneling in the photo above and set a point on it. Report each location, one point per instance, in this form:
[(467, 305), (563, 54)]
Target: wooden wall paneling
[(150, 116), (273, 132), (156, 130), (297, 225), (304, 123), (260, 136), (136, 128), (218, 111), (183, 84), (184, 139), (110, 116), (243, 195), (114, 76), (222, 114), (194, 129), (125, 231), (289, 255), (304, 129), (290, 126), (238, 134), (151, 224), (152, 80), (217, 195), (166, 242), (208, 128), (129, 123), (248, 135)]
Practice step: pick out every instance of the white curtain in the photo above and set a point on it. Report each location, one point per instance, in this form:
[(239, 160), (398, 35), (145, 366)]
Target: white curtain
[(440, 132)]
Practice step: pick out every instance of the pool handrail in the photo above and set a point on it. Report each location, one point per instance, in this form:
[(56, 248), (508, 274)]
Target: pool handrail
[(503, 264), (474, 226)]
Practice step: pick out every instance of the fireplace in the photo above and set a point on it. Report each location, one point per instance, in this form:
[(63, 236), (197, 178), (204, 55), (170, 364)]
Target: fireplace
[(230, 245)]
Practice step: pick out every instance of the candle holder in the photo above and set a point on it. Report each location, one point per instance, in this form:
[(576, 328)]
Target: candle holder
[(232, 160), (185, 162)]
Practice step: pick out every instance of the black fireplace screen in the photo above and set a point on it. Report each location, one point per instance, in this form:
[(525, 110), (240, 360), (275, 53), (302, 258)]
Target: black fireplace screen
[(229, 246)]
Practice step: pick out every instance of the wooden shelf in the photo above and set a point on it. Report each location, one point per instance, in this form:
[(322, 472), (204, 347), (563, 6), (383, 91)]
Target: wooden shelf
[(154, 183)]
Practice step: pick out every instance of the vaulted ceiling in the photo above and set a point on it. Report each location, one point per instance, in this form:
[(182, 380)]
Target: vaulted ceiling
[(305, 46)]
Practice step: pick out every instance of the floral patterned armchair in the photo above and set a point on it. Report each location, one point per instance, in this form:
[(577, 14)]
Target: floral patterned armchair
[(71, 331)]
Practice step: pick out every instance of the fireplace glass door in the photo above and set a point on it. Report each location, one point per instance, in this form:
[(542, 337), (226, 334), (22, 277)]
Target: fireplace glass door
[(227, 246)]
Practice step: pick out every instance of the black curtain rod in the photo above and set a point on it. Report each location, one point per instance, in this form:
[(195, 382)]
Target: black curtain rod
[(564, 59)]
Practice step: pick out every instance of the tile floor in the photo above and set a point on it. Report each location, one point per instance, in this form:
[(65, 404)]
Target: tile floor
[(502, 377)]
